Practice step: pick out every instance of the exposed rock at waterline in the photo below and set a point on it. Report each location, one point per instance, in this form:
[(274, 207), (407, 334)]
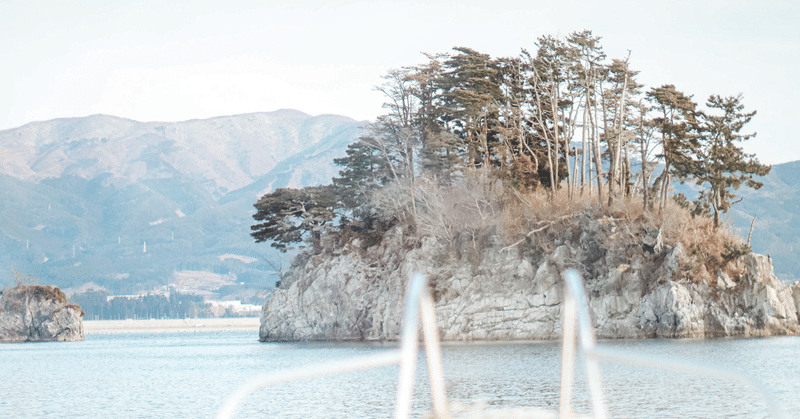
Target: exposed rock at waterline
[(485, 291), (35, 313)]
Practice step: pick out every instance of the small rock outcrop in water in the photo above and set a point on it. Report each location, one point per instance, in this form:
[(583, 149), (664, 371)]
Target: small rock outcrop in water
[(35, 313), (485, 290)]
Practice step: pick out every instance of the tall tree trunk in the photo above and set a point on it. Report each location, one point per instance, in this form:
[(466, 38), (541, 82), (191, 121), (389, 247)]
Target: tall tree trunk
[(552, 171), (598, 162), (568, 167), (556, 142), (645, 183), (626, 173), (643, 150), (411, 177), (609, 148), (665, 180), (575, 170), (583, 147), (614, 175), (665, 143)]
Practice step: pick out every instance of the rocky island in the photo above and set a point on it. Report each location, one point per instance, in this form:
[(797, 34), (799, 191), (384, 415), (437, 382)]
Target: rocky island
[(516, 293), (36, 313), (493, 175)]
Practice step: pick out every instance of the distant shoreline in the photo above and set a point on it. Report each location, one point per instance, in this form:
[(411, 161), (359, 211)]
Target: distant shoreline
[(92, 327)]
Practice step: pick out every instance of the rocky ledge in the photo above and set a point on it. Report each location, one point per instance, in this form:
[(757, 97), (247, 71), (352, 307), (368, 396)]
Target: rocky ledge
[(35, 313), (486, 290)]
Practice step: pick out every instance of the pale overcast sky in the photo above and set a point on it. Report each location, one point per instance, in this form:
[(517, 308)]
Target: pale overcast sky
[(178, 60)]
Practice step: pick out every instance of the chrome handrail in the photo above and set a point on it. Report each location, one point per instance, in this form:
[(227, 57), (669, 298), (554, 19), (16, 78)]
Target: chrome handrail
[(419, 302), (578, 335), (418, 308), (576, 317)]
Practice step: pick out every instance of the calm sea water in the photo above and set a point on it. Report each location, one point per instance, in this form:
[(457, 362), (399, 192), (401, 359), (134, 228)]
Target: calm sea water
[(188, 375)]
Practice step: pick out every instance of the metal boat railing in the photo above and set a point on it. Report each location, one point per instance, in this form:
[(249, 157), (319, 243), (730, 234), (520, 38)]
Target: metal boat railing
[(578, 336), (418, 309), (576, 319)]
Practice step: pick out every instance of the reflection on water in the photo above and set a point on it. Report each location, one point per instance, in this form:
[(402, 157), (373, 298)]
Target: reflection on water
[(188, 375)]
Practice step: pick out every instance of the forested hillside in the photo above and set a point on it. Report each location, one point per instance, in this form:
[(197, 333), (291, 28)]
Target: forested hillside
[(131, 206)]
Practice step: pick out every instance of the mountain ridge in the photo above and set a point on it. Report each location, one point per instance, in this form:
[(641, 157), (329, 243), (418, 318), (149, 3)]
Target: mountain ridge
[(229, 151), (127, 204)]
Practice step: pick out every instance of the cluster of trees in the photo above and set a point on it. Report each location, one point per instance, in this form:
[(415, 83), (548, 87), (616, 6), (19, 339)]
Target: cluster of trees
[(562, 118), (97, 306)]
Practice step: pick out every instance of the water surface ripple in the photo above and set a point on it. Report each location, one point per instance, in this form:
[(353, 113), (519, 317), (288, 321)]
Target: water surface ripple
[(188, 375)]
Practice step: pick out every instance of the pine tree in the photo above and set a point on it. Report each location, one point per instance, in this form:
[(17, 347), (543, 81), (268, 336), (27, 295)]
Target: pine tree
[(645, 137), (724, 166), (471, 92), (520, 154), (623, 87), (586, 66), (678, 127), (294, 215), (364, 169), (438, 155), (548, 81)]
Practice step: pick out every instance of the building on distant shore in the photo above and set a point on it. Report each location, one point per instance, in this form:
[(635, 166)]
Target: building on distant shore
[(233, 308)]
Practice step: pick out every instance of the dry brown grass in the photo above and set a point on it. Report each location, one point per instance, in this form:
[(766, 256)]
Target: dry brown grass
[(707, 245), (480, 205), (710, 249), (13, 296), (475, 203), (534, 210), (46, 292), (76, 307)]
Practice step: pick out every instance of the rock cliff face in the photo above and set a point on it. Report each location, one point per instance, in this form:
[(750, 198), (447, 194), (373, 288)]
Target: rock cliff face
[(487, 291), (34, 313)]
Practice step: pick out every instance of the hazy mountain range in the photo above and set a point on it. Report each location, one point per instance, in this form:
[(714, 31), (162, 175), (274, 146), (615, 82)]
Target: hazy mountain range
[(131, 205), (777, 207)]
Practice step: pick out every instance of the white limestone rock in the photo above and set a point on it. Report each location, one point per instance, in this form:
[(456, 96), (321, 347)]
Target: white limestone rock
[(516, 293), (35, 313)]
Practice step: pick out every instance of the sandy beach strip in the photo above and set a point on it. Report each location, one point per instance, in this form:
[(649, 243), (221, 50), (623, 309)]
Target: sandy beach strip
[(170, 325)]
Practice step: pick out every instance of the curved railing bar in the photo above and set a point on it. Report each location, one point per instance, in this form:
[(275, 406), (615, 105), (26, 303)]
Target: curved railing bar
[(408, 365), (419, 302), (230, 406), (419, 307), (568, 354), (433, 354), (575, 301), (692, 368)]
